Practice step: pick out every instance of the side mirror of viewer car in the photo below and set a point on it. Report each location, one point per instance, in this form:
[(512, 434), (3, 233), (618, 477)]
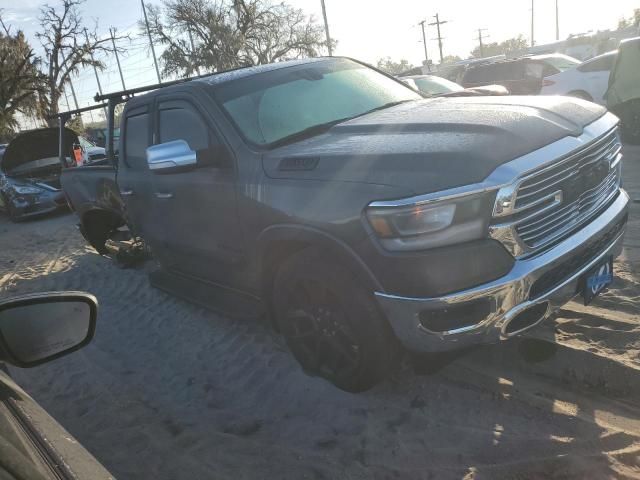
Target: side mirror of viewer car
[(38, 328)]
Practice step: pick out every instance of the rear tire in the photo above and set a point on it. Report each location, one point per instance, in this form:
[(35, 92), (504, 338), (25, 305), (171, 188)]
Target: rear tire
[(332, 325)]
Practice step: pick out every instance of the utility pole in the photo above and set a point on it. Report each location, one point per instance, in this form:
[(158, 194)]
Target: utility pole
[(153, 51), (193, 49), (480, 38), (73, 91), (532, 40), (95, 70), (437, 23), (326, 29), (557, 22), (115, 50), (424, 41)]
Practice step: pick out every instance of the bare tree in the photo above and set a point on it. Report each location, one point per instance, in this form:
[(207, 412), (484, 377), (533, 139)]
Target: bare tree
[(231, 33), (68, 47), (22, 85)]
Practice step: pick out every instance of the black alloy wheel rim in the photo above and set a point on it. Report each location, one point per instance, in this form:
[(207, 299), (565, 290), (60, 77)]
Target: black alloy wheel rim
[(318, 333)]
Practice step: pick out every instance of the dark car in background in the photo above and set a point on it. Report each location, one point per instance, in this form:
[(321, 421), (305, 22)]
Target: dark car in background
[(30, 173), (623, 94), (521, 76)]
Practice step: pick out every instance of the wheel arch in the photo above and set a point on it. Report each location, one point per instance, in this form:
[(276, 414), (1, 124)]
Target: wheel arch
[(279, 242), (97, 223)]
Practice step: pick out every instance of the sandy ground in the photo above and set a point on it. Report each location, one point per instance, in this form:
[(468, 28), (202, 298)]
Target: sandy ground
[(168, 390)]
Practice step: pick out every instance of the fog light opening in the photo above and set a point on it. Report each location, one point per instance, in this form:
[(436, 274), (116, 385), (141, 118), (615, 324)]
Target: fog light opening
[(456, 317), (526, 319)]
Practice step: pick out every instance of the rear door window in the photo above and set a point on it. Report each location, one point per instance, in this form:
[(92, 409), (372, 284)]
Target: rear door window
[(137, 139)]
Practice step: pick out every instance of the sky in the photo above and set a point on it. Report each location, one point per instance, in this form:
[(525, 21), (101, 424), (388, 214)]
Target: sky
[(365, 29)]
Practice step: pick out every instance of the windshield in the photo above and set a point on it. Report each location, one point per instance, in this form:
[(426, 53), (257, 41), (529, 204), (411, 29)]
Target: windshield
[(269, 107), (85, 144), (436, 85), (562, 62)]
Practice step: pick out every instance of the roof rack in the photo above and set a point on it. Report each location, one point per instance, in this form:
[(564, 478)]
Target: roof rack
[(78, 111), (132, 91)]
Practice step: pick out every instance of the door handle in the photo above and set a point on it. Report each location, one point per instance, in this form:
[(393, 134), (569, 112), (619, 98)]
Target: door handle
[(126, 193), (164, 195)]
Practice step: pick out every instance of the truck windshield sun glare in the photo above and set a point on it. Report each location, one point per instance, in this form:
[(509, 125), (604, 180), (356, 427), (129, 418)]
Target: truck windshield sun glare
[(270, 107)]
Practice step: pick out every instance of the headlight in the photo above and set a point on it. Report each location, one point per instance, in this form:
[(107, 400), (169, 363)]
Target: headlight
[(26, 190), (432, 223)]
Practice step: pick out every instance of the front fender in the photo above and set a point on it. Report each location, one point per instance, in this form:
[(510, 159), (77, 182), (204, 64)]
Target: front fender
[(278, 242)]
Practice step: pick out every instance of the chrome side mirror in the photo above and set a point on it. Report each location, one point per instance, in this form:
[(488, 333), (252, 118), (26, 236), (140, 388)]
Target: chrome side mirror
[(41, 327), (168, 157)]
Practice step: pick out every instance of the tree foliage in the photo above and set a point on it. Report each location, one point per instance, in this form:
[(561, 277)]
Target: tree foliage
[(451, 59), (227, 34), (634, 20), (68, 45), (393, 68), (21, 83), (495, 48)]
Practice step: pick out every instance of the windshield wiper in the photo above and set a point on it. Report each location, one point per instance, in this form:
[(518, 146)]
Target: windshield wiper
[(309, 132), (382, 107), (323, 127)]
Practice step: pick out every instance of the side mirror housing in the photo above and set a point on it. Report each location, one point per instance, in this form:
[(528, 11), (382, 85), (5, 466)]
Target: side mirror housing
[(171, 157), (38, 328)]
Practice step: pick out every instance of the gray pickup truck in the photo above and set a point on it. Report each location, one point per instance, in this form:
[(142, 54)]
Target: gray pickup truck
[(361, 215)]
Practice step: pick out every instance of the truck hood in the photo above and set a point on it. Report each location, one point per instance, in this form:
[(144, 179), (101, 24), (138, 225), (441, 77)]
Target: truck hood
[(433, 144), (36, 149)]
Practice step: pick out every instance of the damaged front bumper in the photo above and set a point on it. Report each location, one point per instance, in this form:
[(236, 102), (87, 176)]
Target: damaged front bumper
[(25, 206), (523, 298)]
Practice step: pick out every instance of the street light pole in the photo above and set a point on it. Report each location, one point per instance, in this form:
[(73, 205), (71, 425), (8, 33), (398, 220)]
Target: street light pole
[(532, 40), (557, 22), (326, 29), (424, 41)]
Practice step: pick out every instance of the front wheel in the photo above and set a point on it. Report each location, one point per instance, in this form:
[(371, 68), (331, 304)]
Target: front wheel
[(331, 324)]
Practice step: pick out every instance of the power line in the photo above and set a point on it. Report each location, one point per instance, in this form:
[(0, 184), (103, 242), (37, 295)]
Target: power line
[(437, 23)]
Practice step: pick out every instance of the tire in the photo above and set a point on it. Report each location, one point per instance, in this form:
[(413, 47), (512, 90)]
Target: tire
[(581, 94), (629, 113), (331, 324)]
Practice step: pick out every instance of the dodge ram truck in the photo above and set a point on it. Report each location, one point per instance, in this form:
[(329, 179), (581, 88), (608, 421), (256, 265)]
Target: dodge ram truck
[(361, 215)]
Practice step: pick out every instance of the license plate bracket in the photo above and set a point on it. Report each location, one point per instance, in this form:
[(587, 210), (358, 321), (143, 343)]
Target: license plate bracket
[(596, 280)]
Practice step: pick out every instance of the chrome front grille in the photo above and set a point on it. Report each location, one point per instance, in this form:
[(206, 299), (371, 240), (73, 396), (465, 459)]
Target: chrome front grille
[(548, 204)]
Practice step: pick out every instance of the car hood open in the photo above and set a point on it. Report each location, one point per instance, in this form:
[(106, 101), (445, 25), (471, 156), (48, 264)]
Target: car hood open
[(27, 148), (433, 144)]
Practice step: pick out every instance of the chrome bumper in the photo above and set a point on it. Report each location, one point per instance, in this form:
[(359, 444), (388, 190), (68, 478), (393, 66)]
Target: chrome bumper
[(509, 295)]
